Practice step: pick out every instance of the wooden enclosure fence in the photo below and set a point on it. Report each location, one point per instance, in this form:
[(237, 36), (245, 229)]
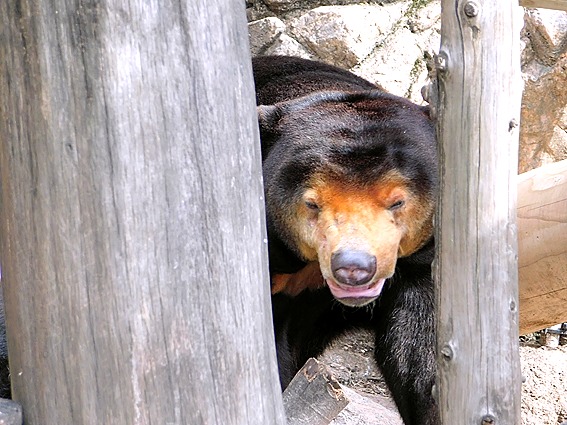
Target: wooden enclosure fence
[(133, 246), (132, 230)]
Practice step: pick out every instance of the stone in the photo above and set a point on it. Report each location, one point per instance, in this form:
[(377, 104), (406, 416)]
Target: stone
[(544, 107), (282, 5), (399, 65), (543, 135), (344, 35), (285, 45), (547, 31), (558, 142), (425, 18), (263, 33)]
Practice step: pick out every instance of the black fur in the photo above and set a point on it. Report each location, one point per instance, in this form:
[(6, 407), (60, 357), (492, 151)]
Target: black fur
[(333, 119), (5, 391)]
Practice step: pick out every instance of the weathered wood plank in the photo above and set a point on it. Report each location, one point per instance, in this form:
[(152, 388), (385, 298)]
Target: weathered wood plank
[(542, 250), (135, 272), (476, 269), (545, 4), (313, 397)]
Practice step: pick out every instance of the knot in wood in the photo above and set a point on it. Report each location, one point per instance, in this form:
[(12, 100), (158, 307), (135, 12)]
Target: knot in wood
[(434, 392), (488, 420), (512, 306), (441, 62), (512, 124), (447, 352), (471, 9)]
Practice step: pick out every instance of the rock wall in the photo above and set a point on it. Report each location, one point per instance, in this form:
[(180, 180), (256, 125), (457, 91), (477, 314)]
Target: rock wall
[(543, 131), (392, 42)]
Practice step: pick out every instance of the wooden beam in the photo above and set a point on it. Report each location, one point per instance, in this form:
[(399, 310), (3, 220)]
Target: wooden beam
[(476, 265), (545, 4), (542, 250)]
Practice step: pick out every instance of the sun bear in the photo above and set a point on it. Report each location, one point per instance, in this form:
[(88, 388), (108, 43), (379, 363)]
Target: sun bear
[(350, 177)]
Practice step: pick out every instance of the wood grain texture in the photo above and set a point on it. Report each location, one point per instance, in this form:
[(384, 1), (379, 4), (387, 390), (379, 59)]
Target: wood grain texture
[(476, 266), (545, 4), (542, 251), (314, 396), (132, 227)]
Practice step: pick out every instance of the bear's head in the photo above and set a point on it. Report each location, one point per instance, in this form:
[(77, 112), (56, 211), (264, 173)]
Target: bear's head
[(350, 182)]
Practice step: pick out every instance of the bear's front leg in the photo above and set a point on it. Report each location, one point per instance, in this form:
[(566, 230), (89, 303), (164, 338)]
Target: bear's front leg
[(292, 284), (304, 326), (405, 347)]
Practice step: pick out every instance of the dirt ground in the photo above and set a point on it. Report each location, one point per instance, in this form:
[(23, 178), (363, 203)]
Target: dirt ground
[(544, 370)]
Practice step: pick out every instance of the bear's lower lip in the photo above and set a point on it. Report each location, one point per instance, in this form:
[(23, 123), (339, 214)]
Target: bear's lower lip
[(356, 295)]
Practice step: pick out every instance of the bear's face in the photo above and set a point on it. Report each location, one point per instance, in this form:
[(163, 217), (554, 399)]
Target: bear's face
[(356, 233), (350, 184)]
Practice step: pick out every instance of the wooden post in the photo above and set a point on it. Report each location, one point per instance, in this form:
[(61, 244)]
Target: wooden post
[(132, 227), (542, 250), (476, 267)]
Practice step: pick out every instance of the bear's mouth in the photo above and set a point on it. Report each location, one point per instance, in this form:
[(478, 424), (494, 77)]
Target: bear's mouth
[(356, 296)]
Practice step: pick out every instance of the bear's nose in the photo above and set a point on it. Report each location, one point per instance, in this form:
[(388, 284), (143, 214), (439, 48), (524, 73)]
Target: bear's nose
[(353, 267)]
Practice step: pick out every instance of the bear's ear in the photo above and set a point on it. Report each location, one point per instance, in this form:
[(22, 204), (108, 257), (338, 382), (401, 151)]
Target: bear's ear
[(428, 111), (268, 117)]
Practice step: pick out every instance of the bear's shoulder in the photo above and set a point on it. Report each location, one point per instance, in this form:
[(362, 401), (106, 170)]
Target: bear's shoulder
[(280, 78)]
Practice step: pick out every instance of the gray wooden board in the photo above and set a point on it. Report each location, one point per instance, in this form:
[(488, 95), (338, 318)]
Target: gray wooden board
[(132, 226)]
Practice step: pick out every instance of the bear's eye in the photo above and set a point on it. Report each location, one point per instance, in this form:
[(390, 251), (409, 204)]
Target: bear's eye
[(312, 206), (396, 205)]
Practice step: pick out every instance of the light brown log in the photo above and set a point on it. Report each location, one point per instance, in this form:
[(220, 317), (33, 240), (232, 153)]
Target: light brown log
[(542, 250), (478, 70), (545, 4)]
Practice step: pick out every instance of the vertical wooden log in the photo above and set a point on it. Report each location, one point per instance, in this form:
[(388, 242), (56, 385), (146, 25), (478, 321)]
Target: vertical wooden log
[(132, 226), (476, 267)]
